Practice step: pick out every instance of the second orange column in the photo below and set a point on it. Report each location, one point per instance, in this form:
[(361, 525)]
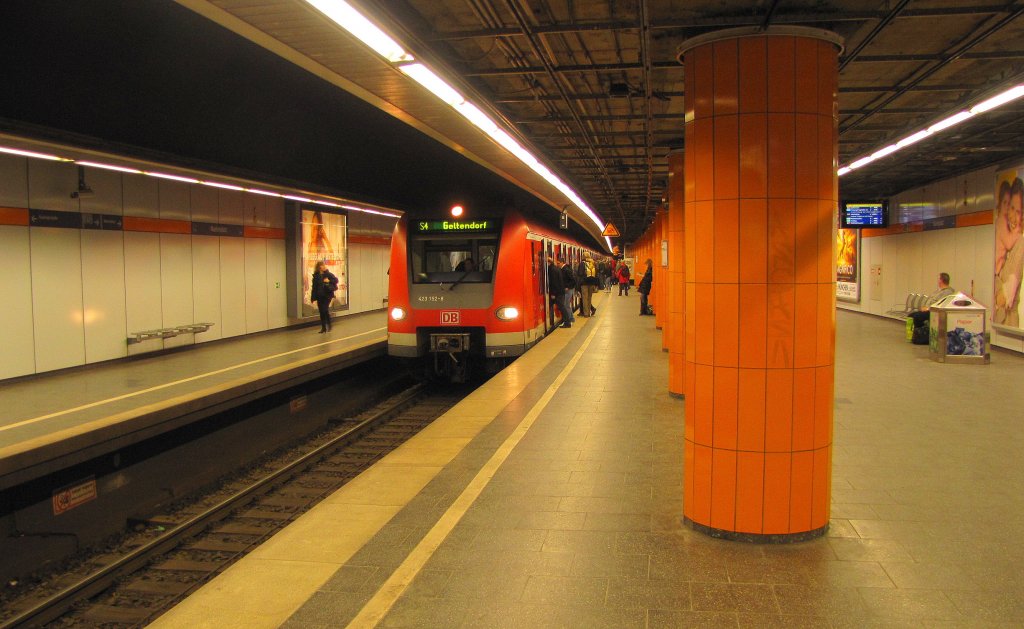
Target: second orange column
[(760, 198)]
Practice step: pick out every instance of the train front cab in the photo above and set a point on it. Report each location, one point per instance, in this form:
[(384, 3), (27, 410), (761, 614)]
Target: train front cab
[(458, 299)]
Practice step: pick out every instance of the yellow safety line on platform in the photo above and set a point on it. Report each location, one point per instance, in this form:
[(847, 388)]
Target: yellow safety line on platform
[(176, 382), (378, 606)]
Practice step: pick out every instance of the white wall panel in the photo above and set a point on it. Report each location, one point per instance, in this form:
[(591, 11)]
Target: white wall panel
[(232, 286), (206, 285), (255, 210), (103, 295), (275, 212), (107, 192), (356, 274), (204, 203), (176, 285), (231, 207), (174, 200), (50, 185), (143, 310), (141, 196), (984, 262), (17, 348), (57, 297), (255, 285), (277, 301), (13, 181), (384, 260)]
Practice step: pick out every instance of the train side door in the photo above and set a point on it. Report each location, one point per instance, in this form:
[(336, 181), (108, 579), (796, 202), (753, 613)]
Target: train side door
[(549, 312)]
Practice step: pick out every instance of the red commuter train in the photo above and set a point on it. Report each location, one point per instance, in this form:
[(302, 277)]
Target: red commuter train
[(467, 291)]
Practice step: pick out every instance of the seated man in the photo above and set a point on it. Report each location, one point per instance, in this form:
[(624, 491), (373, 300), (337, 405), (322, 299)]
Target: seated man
[(921, 317)]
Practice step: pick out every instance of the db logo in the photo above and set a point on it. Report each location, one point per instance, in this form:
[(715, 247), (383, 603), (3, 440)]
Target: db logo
[(449, 317)]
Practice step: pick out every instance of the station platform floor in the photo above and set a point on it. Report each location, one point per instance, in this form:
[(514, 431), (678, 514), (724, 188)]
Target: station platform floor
[(52, 421), (552, 497)]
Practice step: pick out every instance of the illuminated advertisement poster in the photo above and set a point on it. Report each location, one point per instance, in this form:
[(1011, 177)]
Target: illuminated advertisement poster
[(1009, 259), (324, 239), (847, 263)]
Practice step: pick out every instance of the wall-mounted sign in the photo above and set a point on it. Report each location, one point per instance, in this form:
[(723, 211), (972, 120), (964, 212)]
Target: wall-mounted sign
[(481, 225), (70, 496)]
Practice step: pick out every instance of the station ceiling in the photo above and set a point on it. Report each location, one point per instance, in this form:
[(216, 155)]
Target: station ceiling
[(273, 88), (595, 87)]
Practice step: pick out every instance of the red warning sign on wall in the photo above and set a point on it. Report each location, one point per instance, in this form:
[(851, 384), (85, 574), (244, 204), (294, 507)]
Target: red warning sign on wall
[(611, 230), (71, 496)]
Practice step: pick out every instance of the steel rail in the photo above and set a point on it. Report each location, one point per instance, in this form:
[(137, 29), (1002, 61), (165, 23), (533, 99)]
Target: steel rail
[(59, 604)]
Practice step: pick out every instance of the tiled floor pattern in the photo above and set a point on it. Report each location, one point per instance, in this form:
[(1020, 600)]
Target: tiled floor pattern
[(581, 525)]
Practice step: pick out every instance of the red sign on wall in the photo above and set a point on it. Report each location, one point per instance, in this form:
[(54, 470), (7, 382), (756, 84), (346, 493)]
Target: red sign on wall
[(71, 496)]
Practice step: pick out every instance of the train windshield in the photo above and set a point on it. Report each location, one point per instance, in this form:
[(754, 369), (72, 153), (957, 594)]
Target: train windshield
[(442, 259)]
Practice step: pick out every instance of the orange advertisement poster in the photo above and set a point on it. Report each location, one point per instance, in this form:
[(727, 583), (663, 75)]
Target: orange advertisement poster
[(847, 265)]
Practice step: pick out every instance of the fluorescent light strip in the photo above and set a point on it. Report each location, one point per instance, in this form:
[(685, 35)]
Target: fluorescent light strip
[(171, 177), (955, 119), (226, 186), (342, 14), (120, 169), (1000, 99), (369, 211), (215, 184), (265, 193), (5, 149)]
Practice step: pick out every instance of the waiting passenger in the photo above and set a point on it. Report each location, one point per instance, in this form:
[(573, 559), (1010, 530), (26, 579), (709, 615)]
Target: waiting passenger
[(569, 282), (644, 288), (921, 317), (587, 274), (623, 276), (325, 284)]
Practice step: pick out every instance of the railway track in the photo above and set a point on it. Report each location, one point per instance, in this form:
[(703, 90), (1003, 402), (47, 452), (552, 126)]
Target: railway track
[(181, 550)]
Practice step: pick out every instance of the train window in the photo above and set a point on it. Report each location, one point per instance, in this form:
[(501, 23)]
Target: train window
[(440, 259)]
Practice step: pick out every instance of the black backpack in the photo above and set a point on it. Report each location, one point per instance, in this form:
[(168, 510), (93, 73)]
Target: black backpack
[(920, 335)]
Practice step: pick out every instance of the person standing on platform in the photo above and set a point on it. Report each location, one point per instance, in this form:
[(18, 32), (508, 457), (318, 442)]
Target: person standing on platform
[(587, 274), (325, 284), (569, 282), (644, 288), (556, 290), (622, 274), (604, 274), (921, 317)]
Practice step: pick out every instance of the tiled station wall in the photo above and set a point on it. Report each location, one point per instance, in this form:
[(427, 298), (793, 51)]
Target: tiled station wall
[(911, 260), (72, 297)]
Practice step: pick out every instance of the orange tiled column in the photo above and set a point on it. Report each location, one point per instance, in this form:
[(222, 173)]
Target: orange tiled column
[(661, 288), (676, 286), (761, 138)]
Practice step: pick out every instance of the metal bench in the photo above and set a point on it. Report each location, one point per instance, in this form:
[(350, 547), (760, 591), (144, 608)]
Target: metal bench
[(165, 333), (913, 303)]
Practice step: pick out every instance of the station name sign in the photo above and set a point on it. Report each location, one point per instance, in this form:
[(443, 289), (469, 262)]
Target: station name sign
[(456, 226)]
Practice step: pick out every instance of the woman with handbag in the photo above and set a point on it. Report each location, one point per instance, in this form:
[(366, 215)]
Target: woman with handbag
[(325, 284)]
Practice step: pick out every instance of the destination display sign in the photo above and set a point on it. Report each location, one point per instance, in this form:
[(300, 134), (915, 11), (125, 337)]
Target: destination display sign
[(453, 226)]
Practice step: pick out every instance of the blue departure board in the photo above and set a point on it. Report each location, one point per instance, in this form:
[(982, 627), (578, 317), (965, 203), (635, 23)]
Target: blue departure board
[(859, 215)]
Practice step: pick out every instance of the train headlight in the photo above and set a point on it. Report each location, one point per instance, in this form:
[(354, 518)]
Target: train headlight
[(507, 313), (397, 313)]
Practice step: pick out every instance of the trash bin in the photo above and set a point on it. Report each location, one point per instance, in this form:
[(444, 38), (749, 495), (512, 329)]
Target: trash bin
[(958, 331)]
